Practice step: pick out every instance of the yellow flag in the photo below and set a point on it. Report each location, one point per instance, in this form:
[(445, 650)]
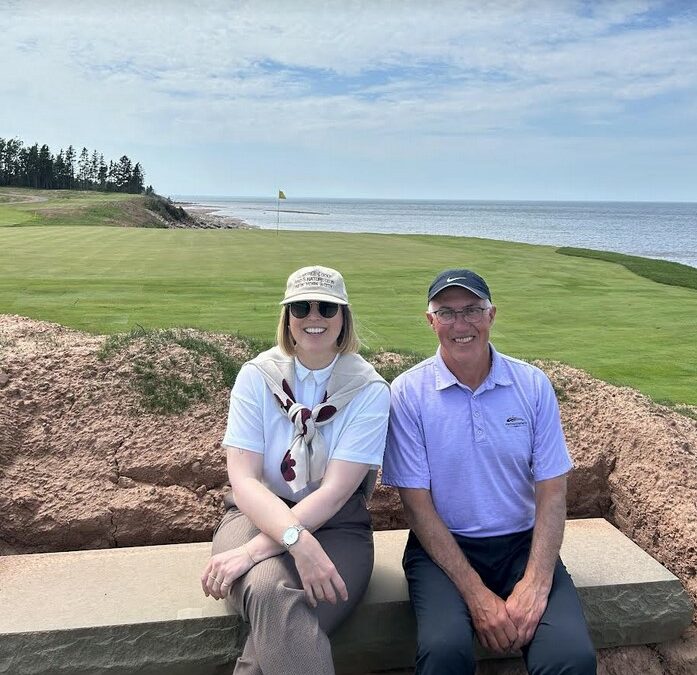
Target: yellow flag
[(281, 194)]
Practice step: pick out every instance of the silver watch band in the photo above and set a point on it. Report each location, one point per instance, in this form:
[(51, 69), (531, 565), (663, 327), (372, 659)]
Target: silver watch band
[(291, 535)]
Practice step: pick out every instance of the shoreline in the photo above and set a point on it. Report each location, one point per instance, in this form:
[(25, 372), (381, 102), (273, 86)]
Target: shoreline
[(206, 218)]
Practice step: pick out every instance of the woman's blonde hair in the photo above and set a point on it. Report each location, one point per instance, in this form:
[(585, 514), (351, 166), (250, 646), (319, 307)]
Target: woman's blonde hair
[(347, 342)]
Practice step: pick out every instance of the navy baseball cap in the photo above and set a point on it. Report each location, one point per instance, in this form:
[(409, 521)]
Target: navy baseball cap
[(462, 278)]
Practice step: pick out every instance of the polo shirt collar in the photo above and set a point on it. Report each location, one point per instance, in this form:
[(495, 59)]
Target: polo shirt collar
[(497, 372), (444, 378), (320, 376)]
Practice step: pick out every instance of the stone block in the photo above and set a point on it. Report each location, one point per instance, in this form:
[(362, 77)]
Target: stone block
[(141, 610)]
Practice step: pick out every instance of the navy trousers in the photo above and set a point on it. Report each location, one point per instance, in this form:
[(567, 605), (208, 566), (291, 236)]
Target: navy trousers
[(445, 634)]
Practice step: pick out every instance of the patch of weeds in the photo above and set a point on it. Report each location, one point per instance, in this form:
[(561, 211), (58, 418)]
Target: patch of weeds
[(115, 343), (165, 392), (229, 367), (170, 383), (560, 391)]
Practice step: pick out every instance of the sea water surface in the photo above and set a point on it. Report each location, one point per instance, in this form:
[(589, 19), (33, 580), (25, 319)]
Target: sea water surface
[(650, 229)]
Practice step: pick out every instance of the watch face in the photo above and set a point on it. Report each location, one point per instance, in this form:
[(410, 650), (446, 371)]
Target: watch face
[(290, 536)]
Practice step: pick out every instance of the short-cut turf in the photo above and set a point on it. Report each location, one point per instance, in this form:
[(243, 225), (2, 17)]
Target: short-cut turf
[(589, 313)]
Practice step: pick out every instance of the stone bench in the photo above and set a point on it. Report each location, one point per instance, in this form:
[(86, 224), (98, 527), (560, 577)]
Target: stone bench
[(141, 610)]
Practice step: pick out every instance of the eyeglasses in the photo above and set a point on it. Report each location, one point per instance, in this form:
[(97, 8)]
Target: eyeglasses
[(301, 308), (469, 314)]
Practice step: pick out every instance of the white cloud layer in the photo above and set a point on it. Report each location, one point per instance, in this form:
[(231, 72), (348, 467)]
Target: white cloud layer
[(327, 88)]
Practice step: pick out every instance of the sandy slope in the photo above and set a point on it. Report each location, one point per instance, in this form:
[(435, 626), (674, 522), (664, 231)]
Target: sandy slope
[(81, 467)]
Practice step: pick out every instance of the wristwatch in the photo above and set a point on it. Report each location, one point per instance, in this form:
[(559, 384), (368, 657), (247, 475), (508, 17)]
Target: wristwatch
[(291, 535)]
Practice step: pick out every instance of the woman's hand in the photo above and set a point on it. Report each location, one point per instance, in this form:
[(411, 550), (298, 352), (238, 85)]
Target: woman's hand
[(319, 577), (223, 569)]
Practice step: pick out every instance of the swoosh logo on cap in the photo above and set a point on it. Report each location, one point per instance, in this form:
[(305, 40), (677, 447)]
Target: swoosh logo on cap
[(449, 279)]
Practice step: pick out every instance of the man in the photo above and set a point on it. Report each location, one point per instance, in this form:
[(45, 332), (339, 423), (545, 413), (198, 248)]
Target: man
[(476, 448)]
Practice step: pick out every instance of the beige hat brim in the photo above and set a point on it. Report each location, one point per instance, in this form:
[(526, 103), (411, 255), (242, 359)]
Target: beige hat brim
[(313, 295)]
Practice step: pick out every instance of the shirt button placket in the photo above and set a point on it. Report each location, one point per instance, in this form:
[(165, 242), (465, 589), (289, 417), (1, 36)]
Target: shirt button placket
[(478, 422)]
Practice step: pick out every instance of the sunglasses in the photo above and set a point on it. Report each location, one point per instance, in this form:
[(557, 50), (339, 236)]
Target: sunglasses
[(301, 308)]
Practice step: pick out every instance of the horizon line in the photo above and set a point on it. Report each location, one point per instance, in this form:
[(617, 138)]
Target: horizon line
[(175, 195)]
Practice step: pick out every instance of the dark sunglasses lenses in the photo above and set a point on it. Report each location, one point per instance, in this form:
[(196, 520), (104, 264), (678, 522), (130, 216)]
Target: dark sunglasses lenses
[(301, 309)]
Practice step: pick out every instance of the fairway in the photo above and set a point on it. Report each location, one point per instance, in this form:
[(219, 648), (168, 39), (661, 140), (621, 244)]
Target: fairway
[(589, 313)]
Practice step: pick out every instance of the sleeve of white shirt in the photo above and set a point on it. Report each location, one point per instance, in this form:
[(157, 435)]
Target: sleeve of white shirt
[(245, 420), (363, 436)]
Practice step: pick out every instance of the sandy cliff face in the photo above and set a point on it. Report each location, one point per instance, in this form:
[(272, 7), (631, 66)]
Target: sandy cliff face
[(81, 466)]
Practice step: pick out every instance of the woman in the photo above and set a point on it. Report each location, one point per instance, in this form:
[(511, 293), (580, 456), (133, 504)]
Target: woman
[(306, 432)]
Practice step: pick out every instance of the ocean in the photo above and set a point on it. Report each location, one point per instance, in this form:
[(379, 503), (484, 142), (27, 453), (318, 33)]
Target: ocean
[(652, 230)]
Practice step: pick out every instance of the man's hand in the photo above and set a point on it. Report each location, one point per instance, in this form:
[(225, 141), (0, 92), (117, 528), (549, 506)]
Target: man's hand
[(528, 600), (495, 629), (525, 606), (319, 577)]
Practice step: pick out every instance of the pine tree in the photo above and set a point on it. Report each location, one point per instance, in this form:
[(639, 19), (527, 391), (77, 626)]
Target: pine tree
[(3, 145), (102, 173), (137, 180), (111, 177), (123, 173), (83, 169), (59, 171), (31, 168), (70, 167), (11, 160), (94, 170), (45, 168)]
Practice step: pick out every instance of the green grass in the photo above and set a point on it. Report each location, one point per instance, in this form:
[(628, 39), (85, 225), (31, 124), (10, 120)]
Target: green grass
[(173, 384), (593, 314), (660, 271), (72, 207), (14, 215)]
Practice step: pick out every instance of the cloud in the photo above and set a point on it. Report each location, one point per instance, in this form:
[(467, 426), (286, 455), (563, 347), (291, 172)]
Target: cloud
[(365, 74)]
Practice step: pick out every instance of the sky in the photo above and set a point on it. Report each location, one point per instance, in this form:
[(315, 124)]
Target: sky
[(488, 99)]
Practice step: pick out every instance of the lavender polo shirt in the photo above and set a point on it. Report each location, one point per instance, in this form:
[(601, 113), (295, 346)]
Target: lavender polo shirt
[(479, 453)]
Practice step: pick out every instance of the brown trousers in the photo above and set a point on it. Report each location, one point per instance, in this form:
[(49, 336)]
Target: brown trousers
[(287, 636)]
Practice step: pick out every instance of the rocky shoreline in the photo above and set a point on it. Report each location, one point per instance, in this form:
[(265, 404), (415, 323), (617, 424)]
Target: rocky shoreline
[(207, 218)]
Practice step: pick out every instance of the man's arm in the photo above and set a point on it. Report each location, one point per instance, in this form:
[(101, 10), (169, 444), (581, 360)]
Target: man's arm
[(494, 627), (528, 600)]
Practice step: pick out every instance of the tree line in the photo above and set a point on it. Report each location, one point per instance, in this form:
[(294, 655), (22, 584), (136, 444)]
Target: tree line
[(36, 167)]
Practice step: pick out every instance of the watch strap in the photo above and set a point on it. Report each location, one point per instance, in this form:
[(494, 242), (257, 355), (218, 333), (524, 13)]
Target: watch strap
[(298, 529)]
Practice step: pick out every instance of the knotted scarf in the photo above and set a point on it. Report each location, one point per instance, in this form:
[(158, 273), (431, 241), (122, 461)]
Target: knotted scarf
[(306, 459)]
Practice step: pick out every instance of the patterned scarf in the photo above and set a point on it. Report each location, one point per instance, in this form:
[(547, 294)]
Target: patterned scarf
[(306, 459)]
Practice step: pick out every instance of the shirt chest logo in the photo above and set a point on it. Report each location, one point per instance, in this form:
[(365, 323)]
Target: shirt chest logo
[(515, 421)]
